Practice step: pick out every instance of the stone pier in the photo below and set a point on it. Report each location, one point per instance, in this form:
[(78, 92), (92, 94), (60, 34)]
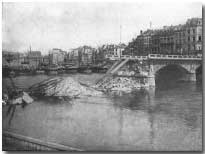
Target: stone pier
[(190, 77), (151, 80)]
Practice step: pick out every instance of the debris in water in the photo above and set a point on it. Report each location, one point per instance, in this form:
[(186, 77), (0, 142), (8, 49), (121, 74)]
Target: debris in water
[(26, 98), (116, 83), (21, 98), (63, 87)]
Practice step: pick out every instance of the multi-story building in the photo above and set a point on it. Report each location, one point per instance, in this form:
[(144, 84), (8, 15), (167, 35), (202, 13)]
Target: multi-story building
[(99, 55), (140, 45), (57, 56), (82, 55), (74, 56), (155, 42), (45, 60), (119, 49), (113, 50), (12, 59), (107, 49), (34, 59), (87, 55), (166, 40), (193, 36), (180, 39)]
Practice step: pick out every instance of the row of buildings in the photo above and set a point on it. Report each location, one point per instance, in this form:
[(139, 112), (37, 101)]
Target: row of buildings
[(34, 59), (180, 39), (31, 59), (81, 56), (87, 55)]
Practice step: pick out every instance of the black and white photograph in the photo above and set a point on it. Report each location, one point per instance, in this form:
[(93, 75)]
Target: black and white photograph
[(102, 76)]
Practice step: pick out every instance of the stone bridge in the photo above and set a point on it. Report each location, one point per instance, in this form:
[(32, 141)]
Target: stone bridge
[(149, 66)]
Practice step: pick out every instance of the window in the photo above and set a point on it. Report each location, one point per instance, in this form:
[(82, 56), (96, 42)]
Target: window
[(188, 31), (193, 39), (188, 38), (199, 38), (193, 30)]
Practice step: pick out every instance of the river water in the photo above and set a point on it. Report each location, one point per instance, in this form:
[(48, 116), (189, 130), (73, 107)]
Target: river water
[(167, 118)]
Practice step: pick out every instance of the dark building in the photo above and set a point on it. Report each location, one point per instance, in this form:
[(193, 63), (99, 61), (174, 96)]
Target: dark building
[(84, 55), (142, 44), (179, 39), (193, 36), (34, 59), (12, 59)]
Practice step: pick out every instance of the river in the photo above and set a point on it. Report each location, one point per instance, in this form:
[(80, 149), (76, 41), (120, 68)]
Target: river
[(167, 118)]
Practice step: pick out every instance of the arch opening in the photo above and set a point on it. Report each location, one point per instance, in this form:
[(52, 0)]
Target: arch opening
[(170, 75)]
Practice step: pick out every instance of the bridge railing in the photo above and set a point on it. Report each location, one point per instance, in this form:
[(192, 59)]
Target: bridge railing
[(184, 57), (156, 56), (112, 57)]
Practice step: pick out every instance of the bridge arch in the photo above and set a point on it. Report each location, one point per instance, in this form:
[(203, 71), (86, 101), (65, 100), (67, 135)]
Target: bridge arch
[(158, 68), (171, 72), (186, 70)]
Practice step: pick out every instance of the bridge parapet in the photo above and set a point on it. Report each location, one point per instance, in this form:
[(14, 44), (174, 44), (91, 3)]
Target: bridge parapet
[(156, 56), (112, 57), (175, 57)]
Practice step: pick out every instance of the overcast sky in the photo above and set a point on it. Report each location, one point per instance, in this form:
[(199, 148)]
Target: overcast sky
[(68, 25)]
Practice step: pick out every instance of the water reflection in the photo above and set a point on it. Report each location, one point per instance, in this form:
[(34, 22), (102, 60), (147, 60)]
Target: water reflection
[(172, 103), (11, 110), (166, 118), (141, 99)]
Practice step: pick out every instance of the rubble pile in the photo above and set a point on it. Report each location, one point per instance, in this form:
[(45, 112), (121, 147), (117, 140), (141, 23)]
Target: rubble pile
[(18, 99), (65, 87), (117, 83)]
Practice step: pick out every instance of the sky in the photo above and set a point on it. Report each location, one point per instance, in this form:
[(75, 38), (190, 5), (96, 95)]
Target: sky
[(69, 25)]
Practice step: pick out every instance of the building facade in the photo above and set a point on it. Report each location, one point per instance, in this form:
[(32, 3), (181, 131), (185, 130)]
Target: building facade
[(45, 60), (193, 36), (74, 56), (57, 56), (113, 49), (179, 39), (12, 59), (87, 54), (82, 55), (34, 59)]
